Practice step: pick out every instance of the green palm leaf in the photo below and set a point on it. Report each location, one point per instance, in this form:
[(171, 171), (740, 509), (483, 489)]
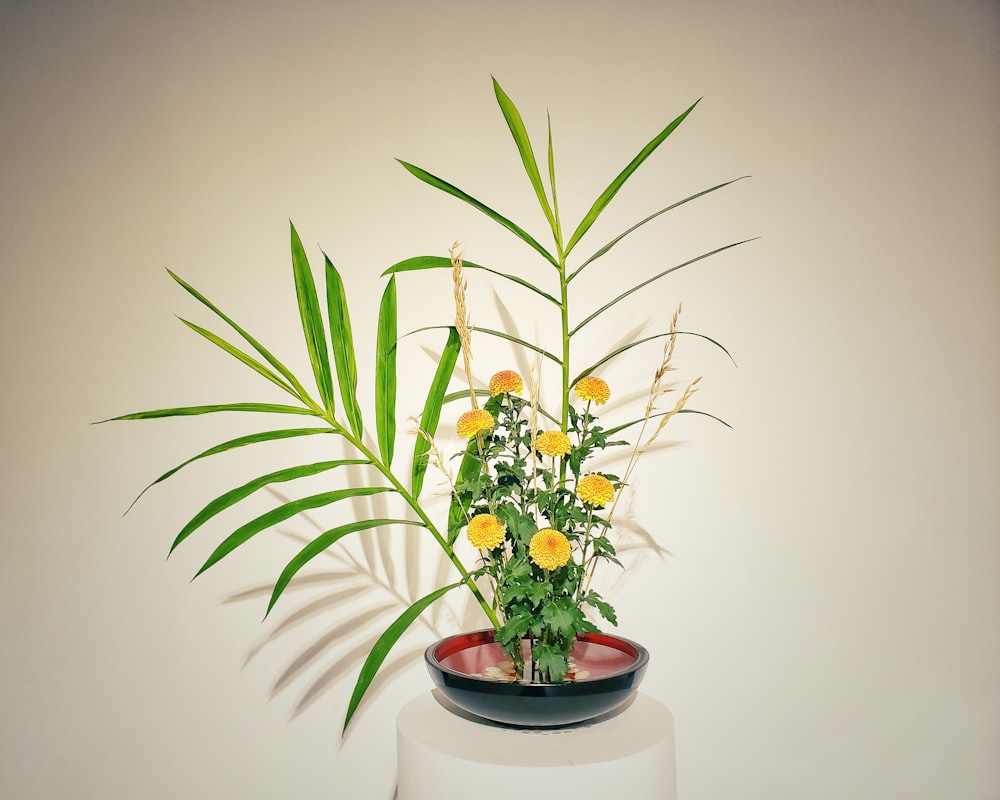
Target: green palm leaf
[(520, 134), (454, 191), (232, 444), (385, 374), (189, 411), (499, 334), (321, 543), (645, 339), (656, 277), (385, 643), (438, 262), (312, 321), (651, 217), (238, 354), (264, 352), (432, 408), (342, 340), (601, 203), (233, 496), (280, 514)]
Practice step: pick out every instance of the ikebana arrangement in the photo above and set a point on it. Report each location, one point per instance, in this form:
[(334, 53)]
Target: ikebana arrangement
[(525, 494)]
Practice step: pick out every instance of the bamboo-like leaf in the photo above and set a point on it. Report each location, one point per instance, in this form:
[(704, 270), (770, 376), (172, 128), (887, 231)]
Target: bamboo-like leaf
[(620, 428), (342, 340), (601, 203), (523, 142), (656, 277), (499, 334), (470, 467), (321, 543), (552, 186), (385, 374), (232, 444), (239, 355), (312, 321), (280, 514), (264, 352), (385, 643), (645, 339), (454, 191), (432, 408), (438, 262), (189, 411), (233, 496), (651, 217)]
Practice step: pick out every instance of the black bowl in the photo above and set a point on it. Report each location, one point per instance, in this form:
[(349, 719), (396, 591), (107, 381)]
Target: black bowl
[(610, 670)]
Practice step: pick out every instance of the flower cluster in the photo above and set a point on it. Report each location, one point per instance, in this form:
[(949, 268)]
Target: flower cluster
[(538, 539)]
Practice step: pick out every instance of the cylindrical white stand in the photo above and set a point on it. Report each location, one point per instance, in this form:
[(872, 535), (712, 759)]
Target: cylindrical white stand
[(444, 756)]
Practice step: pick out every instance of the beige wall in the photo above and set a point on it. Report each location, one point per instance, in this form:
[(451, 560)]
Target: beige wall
[(826, 624)]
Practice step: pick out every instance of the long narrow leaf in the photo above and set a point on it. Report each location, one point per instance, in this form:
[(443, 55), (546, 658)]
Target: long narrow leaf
[(264, 352), (385, 643), (552, 186), (454, 191), (321, 543), (233, 496), (312, 321), (342, 340), (188, 411), (520, 134), (239, 355), (634, 422), (280, 514), (499, 334), (645, 339), (232, 444), (606, 196), (385, 374), (651, 217), (656, 277), (471, 467), (438, 262), (432, 408)]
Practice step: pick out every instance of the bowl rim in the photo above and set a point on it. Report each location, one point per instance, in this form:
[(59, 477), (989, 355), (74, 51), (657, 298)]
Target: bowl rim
[(449, 645)]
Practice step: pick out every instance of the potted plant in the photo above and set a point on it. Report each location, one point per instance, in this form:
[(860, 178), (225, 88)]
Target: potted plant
[(525, 493)]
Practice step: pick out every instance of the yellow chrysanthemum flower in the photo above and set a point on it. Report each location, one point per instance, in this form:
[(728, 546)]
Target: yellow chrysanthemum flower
[(591, 388), (486, 531), (595, 490), (553, 443), (549, 549), (479, 420), (505, 381)]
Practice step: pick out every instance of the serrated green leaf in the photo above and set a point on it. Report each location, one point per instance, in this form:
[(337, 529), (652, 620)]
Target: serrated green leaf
[(385, 643), (520, 134), (233, 496), (651, 217), (432, 409), (454, 191), (439, 262), (550, 662), (321, 543), (656, 277), (606, 196), (385, 374), (312, 321), (280, 514)]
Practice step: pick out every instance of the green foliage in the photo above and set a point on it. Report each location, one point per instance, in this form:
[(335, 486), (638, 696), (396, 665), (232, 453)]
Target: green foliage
[(499, 472)]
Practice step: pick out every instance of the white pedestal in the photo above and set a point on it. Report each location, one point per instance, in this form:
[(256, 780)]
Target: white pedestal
[(444, 756)]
